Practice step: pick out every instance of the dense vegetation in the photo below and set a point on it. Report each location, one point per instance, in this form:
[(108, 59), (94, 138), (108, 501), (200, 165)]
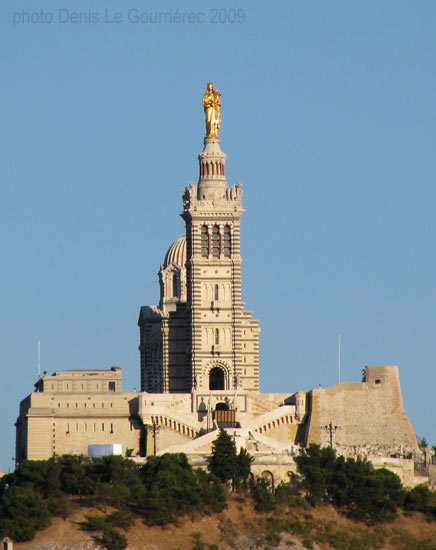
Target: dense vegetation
[(167, 487), (160, 491)]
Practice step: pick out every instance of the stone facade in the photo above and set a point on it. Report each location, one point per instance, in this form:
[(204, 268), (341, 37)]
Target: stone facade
[(199, 363), (73, 409)]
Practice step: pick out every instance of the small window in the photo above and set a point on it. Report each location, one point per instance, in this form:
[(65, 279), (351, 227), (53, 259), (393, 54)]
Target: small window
[(227, 242), (217, 336), (204, 241), (175, 286), (216, 241), (377, 381), (217, 292)]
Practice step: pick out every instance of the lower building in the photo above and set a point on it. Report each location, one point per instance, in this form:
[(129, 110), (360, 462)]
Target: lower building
[(363, 419)]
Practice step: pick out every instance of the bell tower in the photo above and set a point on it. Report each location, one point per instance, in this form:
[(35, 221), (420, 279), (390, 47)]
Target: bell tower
[(224, 339)]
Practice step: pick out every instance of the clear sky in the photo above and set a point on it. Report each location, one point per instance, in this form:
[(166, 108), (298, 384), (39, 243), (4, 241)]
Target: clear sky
[(328, 119)]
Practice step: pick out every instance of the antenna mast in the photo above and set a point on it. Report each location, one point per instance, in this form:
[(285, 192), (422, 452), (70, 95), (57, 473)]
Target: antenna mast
[(39, 359)]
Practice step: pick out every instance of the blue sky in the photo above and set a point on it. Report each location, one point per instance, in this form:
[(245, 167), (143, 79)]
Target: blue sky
[(328, 119)]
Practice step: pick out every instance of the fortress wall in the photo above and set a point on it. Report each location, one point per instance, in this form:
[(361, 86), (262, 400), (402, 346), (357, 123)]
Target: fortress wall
[(367, 414), (73, 435), (39, 446), (67, 423)]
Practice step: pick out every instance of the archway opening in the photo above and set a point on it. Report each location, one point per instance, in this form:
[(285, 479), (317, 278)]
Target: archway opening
[(216, 379), (222, 406)]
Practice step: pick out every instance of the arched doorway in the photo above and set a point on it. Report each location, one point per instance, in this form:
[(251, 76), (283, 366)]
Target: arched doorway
[(216, 379), (222, 406)]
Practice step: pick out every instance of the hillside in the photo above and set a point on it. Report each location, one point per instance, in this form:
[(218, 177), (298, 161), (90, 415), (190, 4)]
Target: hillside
[(240, 527)]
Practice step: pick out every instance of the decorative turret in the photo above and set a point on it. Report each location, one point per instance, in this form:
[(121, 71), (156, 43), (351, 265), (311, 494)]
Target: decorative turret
[(212, 181)]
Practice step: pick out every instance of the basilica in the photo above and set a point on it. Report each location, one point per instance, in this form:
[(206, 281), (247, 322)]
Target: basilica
[(199, 365)]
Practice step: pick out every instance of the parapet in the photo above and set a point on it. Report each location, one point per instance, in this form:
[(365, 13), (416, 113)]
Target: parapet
[(81, 381)]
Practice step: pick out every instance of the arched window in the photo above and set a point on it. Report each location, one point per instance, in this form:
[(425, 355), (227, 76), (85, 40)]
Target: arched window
[(227, 242), (175, 285), (204, 241), (216, 241), (216, 379)]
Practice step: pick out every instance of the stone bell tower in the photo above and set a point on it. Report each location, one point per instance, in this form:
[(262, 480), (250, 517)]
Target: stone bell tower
[(224, 339)]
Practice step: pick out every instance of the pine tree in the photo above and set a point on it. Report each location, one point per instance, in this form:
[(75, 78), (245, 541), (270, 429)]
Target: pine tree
[(224, 462)]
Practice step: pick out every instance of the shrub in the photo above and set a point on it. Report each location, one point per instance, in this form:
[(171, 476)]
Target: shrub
[(273, 539), (261, 493), (114, 540)]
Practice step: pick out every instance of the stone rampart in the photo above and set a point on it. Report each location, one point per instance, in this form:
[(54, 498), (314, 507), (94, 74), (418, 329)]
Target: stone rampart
[(364, 414)]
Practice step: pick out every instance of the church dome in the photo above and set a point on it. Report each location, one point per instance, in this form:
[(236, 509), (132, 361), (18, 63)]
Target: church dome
[(177, 253)]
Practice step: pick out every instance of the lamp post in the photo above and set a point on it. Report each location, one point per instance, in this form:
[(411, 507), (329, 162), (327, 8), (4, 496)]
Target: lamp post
[(156, 430), (331, 430)]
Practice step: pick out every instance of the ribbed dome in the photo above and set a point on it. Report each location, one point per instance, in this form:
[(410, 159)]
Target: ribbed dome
[(177, 253)]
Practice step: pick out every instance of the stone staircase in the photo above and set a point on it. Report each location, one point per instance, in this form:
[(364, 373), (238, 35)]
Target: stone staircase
[(259, 405), (162, 417), (272, 420)]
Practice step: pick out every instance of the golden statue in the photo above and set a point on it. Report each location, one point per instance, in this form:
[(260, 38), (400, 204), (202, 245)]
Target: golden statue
[(212, 104)]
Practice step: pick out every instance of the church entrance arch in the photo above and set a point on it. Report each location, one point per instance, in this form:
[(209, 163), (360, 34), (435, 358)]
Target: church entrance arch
[(216, 379), (222, 406)]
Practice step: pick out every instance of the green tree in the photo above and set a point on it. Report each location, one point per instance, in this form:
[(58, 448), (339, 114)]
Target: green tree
[(22, 513), (243, 470), (173, 488), (224, 462), (43, 476), (75, 475), (423, 443), (421, 499), (212, 491), (262, 494), (352, 485)]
